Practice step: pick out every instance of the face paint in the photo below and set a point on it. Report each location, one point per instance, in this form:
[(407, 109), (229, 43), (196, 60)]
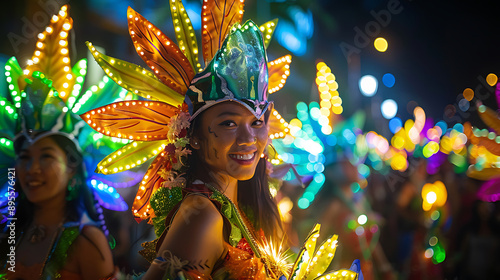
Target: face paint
[(210, 131)]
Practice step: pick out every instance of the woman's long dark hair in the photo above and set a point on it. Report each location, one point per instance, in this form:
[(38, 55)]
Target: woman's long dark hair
[(253, 194)]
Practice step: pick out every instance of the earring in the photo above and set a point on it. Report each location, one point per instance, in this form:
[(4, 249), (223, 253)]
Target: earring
[(71, 193)]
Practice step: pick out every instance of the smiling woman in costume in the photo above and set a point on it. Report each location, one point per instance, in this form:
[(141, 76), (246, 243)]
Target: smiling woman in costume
[(226, 200), (59, 227), (53, 199)]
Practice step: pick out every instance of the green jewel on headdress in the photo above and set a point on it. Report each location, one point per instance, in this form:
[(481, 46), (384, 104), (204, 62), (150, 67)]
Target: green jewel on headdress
[(238, 72)]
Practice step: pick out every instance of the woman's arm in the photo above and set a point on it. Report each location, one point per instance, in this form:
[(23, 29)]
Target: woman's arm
[(93, 254), (194, 241)]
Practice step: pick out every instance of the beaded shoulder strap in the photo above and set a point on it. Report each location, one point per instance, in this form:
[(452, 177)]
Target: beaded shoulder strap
[(231, 212)]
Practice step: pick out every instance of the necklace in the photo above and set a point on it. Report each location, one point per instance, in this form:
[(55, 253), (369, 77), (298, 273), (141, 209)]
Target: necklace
[(37, 234)]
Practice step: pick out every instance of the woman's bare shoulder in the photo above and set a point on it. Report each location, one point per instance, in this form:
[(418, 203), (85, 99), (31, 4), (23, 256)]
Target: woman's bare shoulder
[(91, 254), (196, 233), (197, 217), (198, 208)]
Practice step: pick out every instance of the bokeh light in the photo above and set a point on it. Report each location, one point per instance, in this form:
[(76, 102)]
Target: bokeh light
[(468, 94), (331, 140), (464, 105), (458, 127), (362, 219), (363, 170), (303, 203), (491, 79), (429, 253), (433, 241), (355, 187), (434, 195), (389, 108), (360, 231), (288, 37), (380, 44), (330, 100), (442, 125), (301, 107), (398, 162), (368, 85), (388, 80), (395, 124), (431, 197)]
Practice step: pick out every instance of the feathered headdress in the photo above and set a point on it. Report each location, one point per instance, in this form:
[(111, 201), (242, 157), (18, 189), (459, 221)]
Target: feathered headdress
[(236, 70)]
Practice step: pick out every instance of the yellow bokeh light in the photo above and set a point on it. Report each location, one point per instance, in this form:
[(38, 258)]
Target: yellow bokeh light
[(336, 100), (337, 110), (408, 124), (431, 197), (333, 86), (380, 44), (446, 145), (491, 79), (320, 65), (433, 147), (468, 94), (398, 162), (296, 122), (323, 88), (398, 142), (325, 104), (330, 77), (320, 80), (325, 70), (330, 102), (434, 195), (325, 95), (284, 207), (325, 111)]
